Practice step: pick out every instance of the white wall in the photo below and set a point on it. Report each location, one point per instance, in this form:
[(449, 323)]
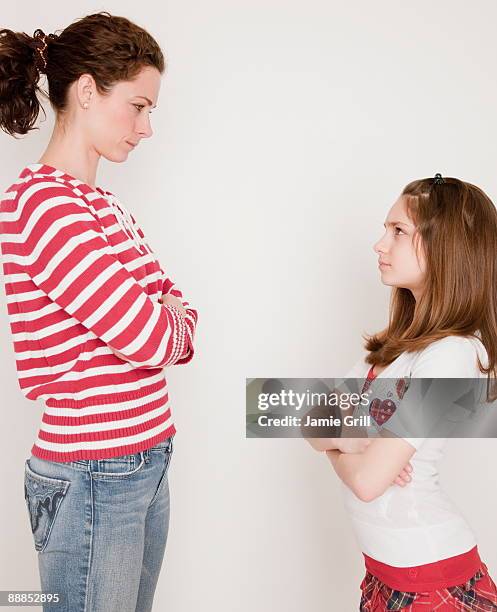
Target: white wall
[(284, 132)]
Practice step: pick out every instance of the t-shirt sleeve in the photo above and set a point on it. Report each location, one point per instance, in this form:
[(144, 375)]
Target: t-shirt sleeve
[(429, 408), (67, 256), (415, 442), (450, 357)]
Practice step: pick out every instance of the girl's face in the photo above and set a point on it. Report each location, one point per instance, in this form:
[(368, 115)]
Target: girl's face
[(119, 120), (399, 266)]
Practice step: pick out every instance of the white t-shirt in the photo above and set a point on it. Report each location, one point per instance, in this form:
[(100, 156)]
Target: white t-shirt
[(417, 524)]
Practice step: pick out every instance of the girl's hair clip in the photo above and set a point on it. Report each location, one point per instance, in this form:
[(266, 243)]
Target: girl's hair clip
[(438, 180)]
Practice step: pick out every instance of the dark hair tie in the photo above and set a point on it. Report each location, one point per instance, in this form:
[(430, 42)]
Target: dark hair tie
[(438, 180), (41, 42)]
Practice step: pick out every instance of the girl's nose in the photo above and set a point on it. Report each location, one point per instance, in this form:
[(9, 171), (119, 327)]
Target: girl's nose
[(377, 247), (380, 246)]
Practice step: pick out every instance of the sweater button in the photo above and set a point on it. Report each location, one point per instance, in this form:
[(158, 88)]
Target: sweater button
[(412, 573)]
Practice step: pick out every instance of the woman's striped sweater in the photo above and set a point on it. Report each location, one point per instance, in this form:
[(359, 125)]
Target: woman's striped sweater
[(91, 338)]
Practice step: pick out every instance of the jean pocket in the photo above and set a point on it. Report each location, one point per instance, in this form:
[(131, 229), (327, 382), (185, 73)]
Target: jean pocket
[(119, 468), (165, 445), (164, 475), (44, 496)]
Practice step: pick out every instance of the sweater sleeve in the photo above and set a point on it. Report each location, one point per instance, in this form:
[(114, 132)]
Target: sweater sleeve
[(190, 318), (169, 287), (67, 256)]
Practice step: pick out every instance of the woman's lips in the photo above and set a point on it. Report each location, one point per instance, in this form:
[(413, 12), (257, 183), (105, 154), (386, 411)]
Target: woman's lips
[(383, 265)]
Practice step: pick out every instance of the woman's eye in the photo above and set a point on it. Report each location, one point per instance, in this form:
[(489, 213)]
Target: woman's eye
[(139, 106), (398, 228)]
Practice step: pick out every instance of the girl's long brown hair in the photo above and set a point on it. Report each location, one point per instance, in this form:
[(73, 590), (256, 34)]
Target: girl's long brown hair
[(456, 227)]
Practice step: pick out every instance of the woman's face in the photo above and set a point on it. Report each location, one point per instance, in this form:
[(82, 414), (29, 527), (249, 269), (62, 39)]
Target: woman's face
[(396, 251), (115, 122)]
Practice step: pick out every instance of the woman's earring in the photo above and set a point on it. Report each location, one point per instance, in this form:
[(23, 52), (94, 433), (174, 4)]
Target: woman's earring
[(85, 105)]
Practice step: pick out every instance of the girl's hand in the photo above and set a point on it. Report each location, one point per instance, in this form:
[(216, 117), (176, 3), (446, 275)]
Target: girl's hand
[(344, 445), (404, 477), (353, 445), (172, 300)]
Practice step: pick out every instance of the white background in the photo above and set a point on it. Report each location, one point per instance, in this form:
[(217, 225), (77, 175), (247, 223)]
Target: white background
[(284, 132)]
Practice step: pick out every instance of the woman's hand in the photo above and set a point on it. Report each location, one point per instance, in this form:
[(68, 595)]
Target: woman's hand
[(172, 300), (404, 477)]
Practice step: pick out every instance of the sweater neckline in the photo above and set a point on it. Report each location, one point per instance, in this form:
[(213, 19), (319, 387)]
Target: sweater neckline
[(46, 169), (122, 214)]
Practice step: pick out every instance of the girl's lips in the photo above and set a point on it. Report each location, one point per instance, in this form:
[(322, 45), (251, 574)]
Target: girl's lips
[(383, 265)]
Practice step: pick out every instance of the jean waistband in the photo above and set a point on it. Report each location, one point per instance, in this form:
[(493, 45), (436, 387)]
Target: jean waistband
[(166, 445)]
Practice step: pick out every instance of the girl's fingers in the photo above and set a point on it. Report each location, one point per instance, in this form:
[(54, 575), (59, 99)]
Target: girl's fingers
[(405, 476)]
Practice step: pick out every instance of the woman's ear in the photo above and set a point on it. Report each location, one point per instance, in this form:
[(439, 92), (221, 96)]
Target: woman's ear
[(85, 88)]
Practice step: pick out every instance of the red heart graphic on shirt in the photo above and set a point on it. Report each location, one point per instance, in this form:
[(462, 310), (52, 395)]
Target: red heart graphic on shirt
[(380, 410), (401, 387)]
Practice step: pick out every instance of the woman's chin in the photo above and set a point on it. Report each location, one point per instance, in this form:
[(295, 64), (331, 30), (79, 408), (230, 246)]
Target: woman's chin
[(116, 156)]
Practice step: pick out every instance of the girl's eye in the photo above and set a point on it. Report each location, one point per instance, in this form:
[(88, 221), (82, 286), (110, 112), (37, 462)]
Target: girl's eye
[(139, 106), (398, 228)]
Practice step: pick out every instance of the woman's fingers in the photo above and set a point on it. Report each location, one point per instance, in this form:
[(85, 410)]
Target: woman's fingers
[(167, 298)]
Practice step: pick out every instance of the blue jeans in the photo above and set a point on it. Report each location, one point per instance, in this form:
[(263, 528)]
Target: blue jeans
[(100, 528)]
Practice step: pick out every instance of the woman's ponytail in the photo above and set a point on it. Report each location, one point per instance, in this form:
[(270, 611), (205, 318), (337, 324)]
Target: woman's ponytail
[(20, 68)]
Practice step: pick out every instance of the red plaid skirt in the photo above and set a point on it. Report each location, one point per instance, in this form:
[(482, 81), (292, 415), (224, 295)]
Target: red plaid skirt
[(478, 593)]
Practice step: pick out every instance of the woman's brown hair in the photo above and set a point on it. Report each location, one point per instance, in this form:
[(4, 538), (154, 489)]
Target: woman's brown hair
[(456, 226), (108, 47)]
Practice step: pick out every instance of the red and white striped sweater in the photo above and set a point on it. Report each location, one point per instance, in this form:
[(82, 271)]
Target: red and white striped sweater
[(90, 336)]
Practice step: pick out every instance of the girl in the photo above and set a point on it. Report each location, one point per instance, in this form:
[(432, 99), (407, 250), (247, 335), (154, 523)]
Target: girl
[(439, 253), (94, 318)]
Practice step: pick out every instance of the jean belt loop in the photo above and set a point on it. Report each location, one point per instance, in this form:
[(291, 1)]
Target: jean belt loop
[(146, 455)]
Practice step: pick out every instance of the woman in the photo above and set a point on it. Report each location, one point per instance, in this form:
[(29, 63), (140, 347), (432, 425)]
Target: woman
[(94, 318), (439, 253)]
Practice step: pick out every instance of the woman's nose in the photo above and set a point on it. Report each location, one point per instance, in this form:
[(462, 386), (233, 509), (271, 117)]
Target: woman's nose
[(145, 128)]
